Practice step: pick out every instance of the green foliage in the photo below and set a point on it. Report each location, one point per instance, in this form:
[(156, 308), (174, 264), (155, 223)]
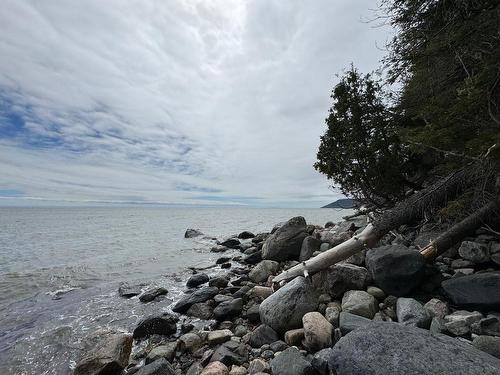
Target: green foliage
[(360, 149)]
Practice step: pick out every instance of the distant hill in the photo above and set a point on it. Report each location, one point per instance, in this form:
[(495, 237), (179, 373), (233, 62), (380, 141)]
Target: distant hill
[(341, 203)]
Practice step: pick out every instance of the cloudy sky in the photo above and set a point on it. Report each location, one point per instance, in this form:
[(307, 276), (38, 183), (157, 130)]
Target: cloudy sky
[(173, 101)]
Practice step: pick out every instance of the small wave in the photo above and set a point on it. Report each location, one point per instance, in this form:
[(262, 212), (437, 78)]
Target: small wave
[(57, 294)]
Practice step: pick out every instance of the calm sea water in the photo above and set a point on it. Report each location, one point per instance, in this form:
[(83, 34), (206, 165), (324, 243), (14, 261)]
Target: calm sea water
[(60, 269)]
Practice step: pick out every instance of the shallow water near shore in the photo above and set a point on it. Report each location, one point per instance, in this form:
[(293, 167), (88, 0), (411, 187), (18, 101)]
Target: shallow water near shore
[(60, 269)]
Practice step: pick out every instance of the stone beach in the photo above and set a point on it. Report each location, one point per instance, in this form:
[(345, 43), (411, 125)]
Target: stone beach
[(382, 311)]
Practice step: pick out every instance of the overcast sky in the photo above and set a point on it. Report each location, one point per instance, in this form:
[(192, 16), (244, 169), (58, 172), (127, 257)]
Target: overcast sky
[(182, 102)]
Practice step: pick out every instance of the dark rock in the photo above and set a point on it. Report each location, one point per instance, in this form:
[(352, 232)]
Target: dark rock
[(263, 270), (309, 246), (225, 265), (261, 335), (158, 367), (246, 235), (240, 280), (242, 292), (286, 242), (489, 326), (474, 252), (260, 237), (320, 361), (228, 309), (232, 243), (191, 233), (488, 344), (197, 279), (201, 311), (480, 290), (253, 314), (395, 269), (165, 324), (151, 294), (392, 348), (128, 291), (329, 224), (166, 351), (253, 258), (218, 282), (291, 362), (340, 278), (284, 309), (110, 356), (360, 303), (222, 260), (198, 296), (230, 353), (278, 346), (349, 322)]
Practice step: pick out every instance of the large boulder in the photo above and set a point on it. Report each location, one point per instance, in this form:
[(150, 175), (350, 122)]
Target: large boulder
[(480, 290), (360, 303), (317, 331), (291, 362), (201, 295), (391, 348), (285, 243), (110, 356), (395, 269), (263, 270), (309, 246), (283, 310), (339, 278), (156, 325)]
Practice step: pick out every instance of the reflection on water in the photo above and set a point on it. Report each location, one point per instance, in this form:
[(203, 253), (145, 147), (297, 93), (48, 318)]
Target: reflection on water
[(60, 269)]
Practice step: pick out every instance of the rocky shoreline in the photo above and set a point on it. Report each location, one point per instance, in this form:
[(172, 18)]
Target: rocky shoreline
[(382, 311)]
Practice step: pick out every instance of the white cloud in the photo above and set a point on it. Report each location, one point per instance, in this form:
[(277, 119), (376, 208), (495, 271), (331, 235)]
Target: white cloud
[(155, 100)]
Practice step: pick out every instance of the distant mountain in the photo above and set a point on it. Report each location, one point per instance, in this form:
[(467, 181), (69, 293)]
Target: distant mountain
[(341, 203)]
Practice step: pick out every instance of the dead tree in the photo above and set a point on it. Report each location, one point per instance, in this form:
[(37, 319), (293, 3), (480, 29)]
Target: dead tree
[(406, 212)]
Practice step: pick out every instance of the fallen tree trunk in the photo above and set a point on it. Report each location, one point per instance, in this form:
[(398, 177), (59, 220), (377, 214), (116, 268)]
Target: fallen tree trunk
[(460, 230), (406, 212)]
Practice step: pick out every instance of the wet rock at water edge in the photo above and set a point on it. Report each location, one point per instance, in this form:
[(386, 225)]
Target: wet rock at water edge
[(110, 356), (165, 324), (128, 291), (246, 235), (198, 296), (152, 293), (232, 243), (197, 279), (200, 311), (191, 233), (218, 282)]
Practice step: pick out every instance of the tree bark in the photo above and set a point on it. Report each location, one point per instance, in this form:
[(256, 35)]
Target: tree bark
[(405, 212)]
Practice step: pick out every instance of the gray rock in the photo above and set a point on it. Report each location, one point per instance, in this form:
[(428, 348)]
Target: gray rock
[(259, 237), (195, 369), (278, 346), (215, 368), (219, 336), (160, 325), (480, 290), (324, 247), (332, 313), (228, 309), (253, 314), (198, 296), (219, 249), (436, 308), (391, 348), (461, 263), (395, 269), (349, 322), (190, 342), (411, 312), (260, 292), (376, 292), (253, 258), (262, 335), (110, 356), (191, 233), (258, 365), (232, 243), (126, 290), (283, 310), (197, 279), (309, 246), (489, 326), (488, 344), (459, 323), (152, 293), (158, 367), (320, 361), (263, 270), (317, 331), (291, 362), (166, 351), (473, 251), (218, 282), (285, 243), (201, 311), (360, 303), (339, 278), (246, 235), (230, 353), (437, 325)]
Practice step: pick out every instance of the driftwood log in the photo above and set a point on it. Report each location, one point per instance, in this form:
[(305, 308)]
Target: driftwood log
[(406, 212)]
